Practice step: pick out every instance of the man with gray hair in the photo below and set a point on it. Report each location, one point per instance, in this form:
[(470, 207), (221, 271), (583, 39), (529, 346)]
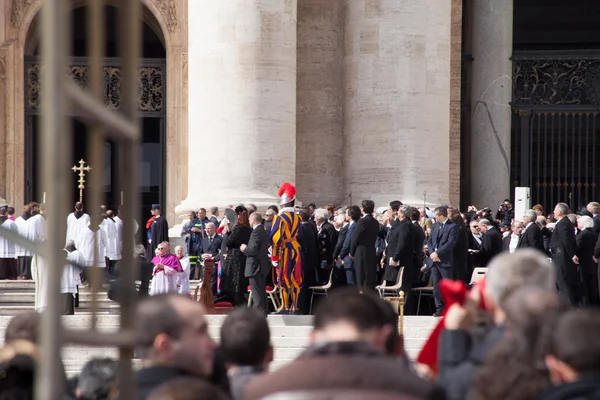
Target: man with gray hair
[(532, 236), (460, 356), (586, 241), (327, 236), (563, 248), (257, 262), (491, 243)]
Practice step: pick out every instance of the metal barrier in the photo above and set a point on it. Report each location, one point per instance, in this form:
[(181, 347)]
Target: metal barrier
[(60, 94)]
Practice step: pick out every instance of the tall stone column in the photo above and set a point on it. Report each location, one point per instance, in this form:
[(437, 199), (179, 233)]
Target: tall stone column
[(242, 101), (397, 100), (491, 87), (320, 99)]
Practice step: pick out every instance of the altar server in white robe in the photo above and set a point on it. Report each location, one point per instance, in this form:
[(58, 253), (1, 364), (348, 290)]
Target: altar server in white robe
[(119, 221), (113, 245), (71, 278), (86, 245), (76, 222), (8, 257), (37, 233), (24, 255)]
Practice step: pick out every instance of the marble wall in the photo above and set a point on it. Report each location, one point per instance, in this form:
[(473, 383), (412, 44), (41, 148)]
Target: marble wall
[(242, 98), (319, 128), (397, 100)]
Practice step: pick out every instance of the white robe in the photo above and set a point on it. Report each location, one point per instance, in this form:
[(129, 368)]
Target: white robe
[(7, 248), (113, 248), (39, 267), (86, 247), (75, 226), (71, 276), (39, 273), (23, 226)]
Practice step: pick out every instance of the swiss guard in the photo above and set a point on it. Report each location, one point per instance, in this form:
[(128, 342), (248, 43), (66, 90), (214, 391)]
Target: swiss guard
[(286, 254)]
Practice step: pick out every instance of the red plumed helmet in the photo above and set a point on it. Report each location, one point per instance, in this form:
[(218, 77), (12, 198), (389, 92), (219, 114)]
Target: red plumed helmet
[(287, 193)]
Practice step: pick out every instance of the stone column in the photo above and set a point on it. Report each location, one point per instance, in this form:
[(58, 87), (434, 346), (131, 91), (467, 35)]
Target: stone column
[(242, 101), (320, 125), (491, 87), (397, 100)]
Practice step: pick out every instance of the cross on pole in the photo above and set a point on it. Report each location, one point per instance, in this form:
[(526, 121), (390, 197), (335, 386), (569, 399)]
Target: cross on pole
[(82, 170)]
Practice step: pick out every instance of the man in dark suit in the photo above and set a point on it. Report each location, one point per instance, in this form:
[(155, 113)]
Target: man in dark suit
[(491, 243), (327, 239), (362, 247), (353, 214), (510, 242), (310, 262), (257, 262), (594, 209), (444, 234), (401, 251), (563, 249), (209, 248), (531, 237), (586, 241)]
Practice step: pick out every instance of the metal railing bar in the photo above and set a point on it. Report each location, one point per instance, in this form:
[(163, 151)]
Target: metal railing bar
[(130, 30), (92, 111), (95, 148), (56, 138)]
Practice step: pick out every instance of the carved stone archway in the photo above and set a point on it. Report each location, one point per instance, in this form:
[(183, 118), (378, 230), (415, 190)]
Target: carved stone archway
[(170, 17)]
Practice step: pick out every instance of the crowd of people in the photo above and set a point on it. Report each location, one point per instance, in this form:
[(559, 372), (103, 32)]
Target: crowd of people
[(514, 338)]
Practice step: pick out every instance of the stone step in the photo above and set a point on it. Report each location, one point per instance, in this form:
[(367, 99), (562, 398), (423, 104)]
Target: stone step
[(289, 336)]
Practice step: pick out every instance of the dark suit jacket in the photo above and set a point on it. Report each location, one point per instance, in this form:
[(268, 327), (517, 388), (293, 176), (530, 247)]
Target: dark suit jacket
[(328, 237), (563, 248), (362, 248), (491, 245), (308, 244), (257, 253), (442, 241), (586, 241), (345, 252), (419, 242), (206, 246), (506, 243), (401, 248), (597, 224), (340, 241), (532, 238)]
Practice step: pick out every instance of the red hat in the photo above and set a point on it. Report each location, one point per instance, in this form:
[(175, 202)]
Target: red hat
[(287, 193)]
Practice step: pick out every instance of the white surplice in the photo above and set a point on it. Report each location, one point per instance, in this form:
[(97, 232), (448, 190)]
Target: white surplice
[(183, 282), (75, 226), (113, 247), (23, 227), (7, 248), (36, 232), (71, 276), (86, 247)]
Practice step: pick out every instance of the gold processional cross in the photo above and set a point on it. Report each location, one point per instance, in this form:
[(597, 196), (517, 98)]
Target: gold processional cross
[(82, 170)]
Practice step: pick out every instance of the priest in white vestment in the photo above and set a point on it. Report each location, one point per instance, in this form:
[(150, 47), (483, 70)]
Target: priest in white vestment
[(37, 233), (184, 286), (86, 245), (76, 222), (8, 257), (23, 255), (71, 278), (113, 246)]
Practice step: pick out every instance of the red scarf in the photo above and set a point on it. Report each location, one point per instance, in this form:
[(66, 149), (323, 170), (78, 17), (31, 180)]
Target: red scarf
[(150, 221), (452, 292)]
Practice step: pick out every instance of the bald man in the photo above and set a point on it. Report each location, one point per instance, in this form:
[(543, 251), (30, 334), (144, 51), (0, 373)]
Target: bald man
[(209, 248)]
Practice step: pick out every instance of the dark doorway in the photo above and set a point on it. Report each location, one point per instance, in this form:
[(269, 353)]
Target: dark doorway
[(556, 123), (152, 110)]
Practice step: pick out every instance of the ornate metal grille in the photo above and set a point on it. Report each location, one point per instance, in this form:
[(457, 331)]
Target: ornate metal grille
[(151, 74), (556, 79), (556, 126)]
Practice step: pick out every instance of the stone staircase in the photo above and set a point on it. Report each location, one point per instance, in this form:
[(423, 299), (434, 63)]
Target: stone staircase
[(289, 334)]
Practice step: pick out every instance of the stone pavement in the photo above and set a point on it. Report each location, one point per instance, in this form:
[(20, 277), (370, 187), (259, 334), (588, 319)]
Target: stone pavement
[(289, 334)]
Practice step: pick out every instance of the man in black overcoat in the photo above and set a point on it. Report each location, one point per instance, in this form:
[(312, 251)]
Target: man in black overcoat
[(362, 247), (563, 249)]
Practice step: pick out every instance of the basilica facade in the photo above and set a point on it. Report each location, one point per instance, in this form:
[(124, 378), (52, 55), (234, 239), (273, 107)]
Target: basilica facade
[(430, 101)]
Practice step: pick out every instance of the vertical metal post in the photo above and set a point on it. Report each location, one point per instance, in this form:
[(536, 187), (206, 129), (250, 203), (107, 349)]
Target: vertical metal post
[(49, 381), (525, 180), (130, 33), (96, 38)]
